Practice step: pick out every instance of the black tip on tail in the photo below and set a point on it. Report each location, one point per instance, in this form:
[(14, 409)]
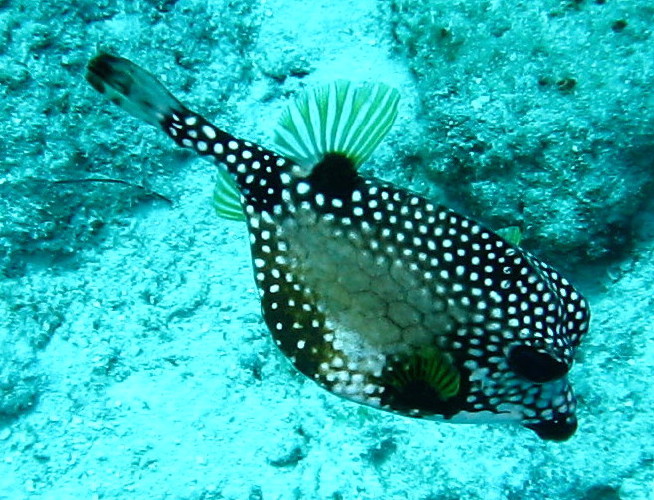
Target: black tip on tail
[(101, 69), (132, 88)]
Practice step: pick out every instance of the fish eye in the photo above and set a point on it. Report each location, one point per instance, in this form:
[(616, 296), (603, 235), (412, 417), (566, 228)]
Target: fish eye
[(535, 365)]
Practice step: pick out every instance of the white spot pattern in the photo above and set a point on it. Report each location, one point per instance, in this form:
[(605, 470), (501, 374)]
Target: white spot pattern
[(479, 297)]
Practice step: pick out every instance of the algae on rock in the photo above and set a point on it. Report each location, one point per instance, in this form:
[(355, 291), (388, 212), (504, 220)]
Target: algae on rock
[(536, 115)]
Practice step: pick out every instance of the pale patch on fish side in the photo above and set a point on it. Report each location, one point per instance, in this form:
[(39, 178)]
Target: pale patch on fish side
[(508, 413), (362, 292), (373, 306)]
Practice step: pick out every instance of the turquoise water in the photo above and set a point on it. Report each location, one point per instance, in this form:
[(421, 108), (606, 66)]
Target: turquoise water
[(135, 363)]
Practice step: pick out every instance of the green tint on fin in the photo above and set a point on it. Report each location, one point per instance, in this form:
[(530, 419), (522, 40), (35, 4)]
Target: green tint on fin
[(512, 234), (226, 198), (341, 117), (430, 367)]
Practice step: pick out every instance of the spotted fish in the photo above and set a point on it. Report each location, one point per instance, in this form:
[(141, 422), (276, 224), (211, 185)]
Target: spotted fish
[(377, 294)]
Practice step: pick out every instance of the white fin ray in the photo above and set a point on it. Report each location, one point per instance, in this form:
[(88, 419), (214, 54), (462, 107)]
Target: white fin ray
[(226, 197), (340, 117)]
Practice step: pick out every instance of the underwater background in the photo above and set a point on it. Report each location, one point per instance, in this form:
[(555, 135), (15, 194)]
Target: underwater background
[(134, 362)]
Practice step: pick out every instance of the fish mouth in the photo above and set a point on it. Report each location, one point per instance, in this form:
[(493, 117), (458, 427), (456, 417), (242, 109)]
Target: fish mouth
[(554, 430)]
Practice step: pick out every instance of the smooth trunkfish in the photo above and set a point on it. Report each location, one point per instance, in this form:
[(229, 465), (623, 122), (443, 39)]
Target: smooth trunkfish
[(374, 292)]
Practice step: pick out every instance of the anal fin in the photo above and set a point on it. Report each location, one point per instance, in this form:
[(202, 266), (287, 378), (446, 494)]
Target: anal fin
[(226, 197)]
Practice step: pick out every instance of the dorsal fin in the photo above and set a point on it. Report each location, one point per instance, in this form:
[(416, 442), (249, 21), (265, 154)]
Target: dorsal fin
[(340, 117), (226, 197)]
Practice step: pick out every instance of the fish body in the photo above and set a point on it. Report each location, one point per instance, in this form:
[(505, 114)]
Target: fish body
[(374, 292)]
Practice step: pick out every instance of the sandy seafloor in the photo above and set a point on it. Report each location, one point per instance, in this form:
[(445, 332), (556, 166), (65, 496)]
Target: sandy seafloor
[(134, 361)]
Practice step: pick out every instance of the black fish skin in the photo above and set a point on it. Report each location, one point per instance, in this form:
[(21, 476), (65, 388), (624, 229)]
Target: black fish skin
[(357, 275)]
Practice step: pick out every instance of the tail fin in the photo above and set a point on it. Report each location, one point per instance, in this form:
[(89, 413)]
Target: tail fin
[(250, 169), (132, 88)]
